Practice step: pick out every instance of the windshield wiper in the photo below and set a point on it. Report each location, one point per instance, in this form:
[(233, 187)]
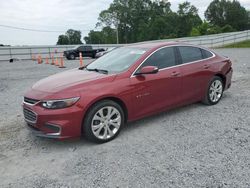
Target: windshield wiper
[(99, 70)]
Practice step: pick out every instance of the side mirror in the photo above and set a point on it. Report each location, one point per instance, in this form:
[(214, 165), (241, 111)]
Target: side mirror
[(148, 70)]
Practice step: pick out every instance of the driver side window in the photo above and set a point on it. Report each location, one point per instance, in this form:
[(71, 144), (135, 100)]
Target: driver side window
[(162, 58), (81, 48)]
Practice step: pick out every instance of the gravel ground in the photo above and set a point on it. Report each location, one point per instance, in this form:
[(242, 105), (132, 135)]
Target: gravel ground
[(192, 146)]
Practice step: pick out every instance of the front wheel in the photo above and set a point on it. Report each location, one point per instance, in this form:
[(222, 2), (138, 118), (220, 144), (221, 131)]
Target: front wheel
[(103, 121), (214, 92)]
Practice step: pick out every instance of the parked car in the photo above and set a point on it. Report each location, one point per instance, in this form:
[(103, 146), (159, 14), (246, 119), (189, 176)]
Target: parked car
[(87, 51), (126, 84), (102, 53)]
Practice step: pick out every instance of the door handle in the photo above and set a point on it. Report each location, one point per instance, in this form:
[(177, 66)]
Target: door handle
[(174, 74), (206, 66)]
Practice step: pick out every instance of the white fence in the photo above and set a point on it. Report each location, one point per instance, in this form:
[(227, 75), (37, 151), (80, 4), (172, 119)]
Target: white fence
[(26, 52)]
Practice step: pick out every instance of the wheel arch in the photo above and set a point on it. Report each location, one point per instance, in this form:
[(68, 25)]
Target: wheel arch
[(223, 79), (112, 98)]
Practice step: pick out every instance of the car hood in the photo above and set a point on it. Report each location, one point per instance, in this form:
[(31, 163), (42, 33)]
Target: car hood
[(68, 79)]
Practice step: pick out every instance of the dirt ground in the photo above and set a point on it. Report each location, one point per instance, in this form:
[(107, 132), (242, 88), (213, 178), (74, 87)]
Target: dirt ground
[(192, 146)]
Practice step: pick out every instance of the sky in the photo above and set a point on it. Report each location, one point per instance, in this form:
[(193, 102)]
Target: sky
[(60, 15)]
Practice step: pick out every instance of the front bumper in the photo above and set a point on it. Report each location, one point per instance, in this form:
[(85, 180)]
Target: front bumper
[(39, 133), (59, 124)]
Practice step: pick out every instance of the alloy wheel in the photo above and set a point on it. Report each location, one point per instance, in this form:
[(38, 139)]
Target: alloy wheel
[(106, 122), (215, 91)]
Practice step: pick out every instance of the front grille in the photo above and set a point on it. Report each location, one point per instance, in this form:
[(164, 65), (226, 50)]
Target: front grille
[(29, 115), (30, 101)]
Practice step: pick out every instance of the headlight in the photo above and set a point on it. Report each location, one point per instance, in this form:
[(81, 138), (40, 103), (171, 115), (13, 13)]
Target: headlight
[(62, 103)]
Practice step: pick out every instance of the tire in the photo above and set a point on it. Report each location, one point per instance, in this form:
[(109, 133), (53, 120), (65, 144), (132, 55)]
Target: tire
[(214, 92), (98, 127), (93, 56), (72, 57)]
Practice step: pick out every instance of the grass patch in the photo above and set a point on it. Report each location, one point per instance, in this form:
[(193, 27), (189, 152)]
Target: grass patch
[(243, 44)]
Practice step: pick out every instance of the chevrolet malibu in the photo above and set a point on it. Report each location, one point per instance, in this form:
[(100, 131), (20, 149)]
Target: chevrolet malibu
[(126, 84)]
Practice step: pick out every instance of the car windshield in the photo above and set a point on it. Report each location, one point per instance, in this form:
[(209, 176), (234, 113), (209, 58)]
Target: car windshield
[(117, 60)]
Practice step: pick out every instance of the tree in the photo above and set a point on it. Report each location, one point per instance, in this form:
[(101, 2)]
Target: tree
[(62, 40), (139, 20), (223, 12), (206, 29), (70, 37), (188, 18), (94, 37), (195, 32), (74, 36), (227, 28), (248, 23), (106, 36)]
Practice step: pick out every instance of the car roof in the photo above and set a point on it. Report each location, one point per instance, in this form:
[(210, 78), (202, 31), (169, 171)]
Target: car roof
[(151, 45)]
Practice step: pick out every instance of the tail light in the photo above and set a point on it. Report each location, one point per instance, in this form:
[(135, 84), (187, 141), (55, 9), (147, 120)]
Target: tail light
[(230, 62)]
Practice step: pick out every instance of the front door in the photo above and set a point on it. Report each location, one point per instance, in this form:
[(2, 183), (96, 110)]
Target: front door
[(156, 92)]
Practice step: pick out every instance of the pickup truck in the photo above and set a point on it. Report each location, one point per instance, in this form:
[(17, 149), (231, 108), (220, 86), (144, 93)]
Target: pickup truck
[(87, 51)]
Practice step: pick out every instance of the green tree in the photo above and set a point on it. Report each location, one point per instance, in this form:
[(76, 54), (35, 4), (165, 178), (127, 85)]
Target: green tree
[(139, 20), (74, 36), (109, 35), (106, 36), (214, 30), (62, 40), (70, 37), (188, 18), (248, 23), (223, 12), (195, 32), (227, 28), (204, 27), (94, 37)]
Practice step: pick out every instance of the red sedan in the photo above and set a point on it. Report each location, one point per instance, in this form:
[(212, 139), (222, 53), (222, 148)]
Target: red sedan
[(126, 84)]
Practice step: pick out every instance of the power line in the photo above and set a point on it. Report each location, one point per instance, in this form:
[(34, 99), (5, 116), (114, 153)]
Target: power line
[(27, 29), (34, 30)]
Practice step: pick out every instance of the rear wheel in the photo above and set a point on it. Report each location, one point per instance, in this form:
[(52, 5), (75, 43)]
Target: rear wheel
[(103, 121), (214, 92)]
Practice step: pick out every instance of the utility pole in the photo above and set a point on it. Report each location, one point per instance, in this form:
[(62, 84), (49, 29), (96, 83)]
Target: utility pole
[(117, 33), (117, 29)]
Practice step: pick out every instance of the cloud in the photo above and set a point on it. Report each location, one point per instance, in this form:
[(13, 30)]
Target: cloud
[(47, 15)]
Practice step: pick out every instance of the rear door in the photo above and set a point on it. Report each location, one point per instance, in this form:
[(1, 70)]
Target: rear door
[(80, 50), (192, 69), (89, 51), (208, 73), (155, 92)]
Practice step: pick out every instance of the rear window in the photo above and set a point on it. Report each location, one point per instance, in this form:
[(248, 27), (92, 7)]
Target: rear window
[(206, 54), (189, 54)]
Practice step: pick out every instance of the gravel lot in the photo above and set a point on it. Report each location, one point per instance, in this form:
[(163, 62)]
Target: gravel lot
[(192, 146)]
